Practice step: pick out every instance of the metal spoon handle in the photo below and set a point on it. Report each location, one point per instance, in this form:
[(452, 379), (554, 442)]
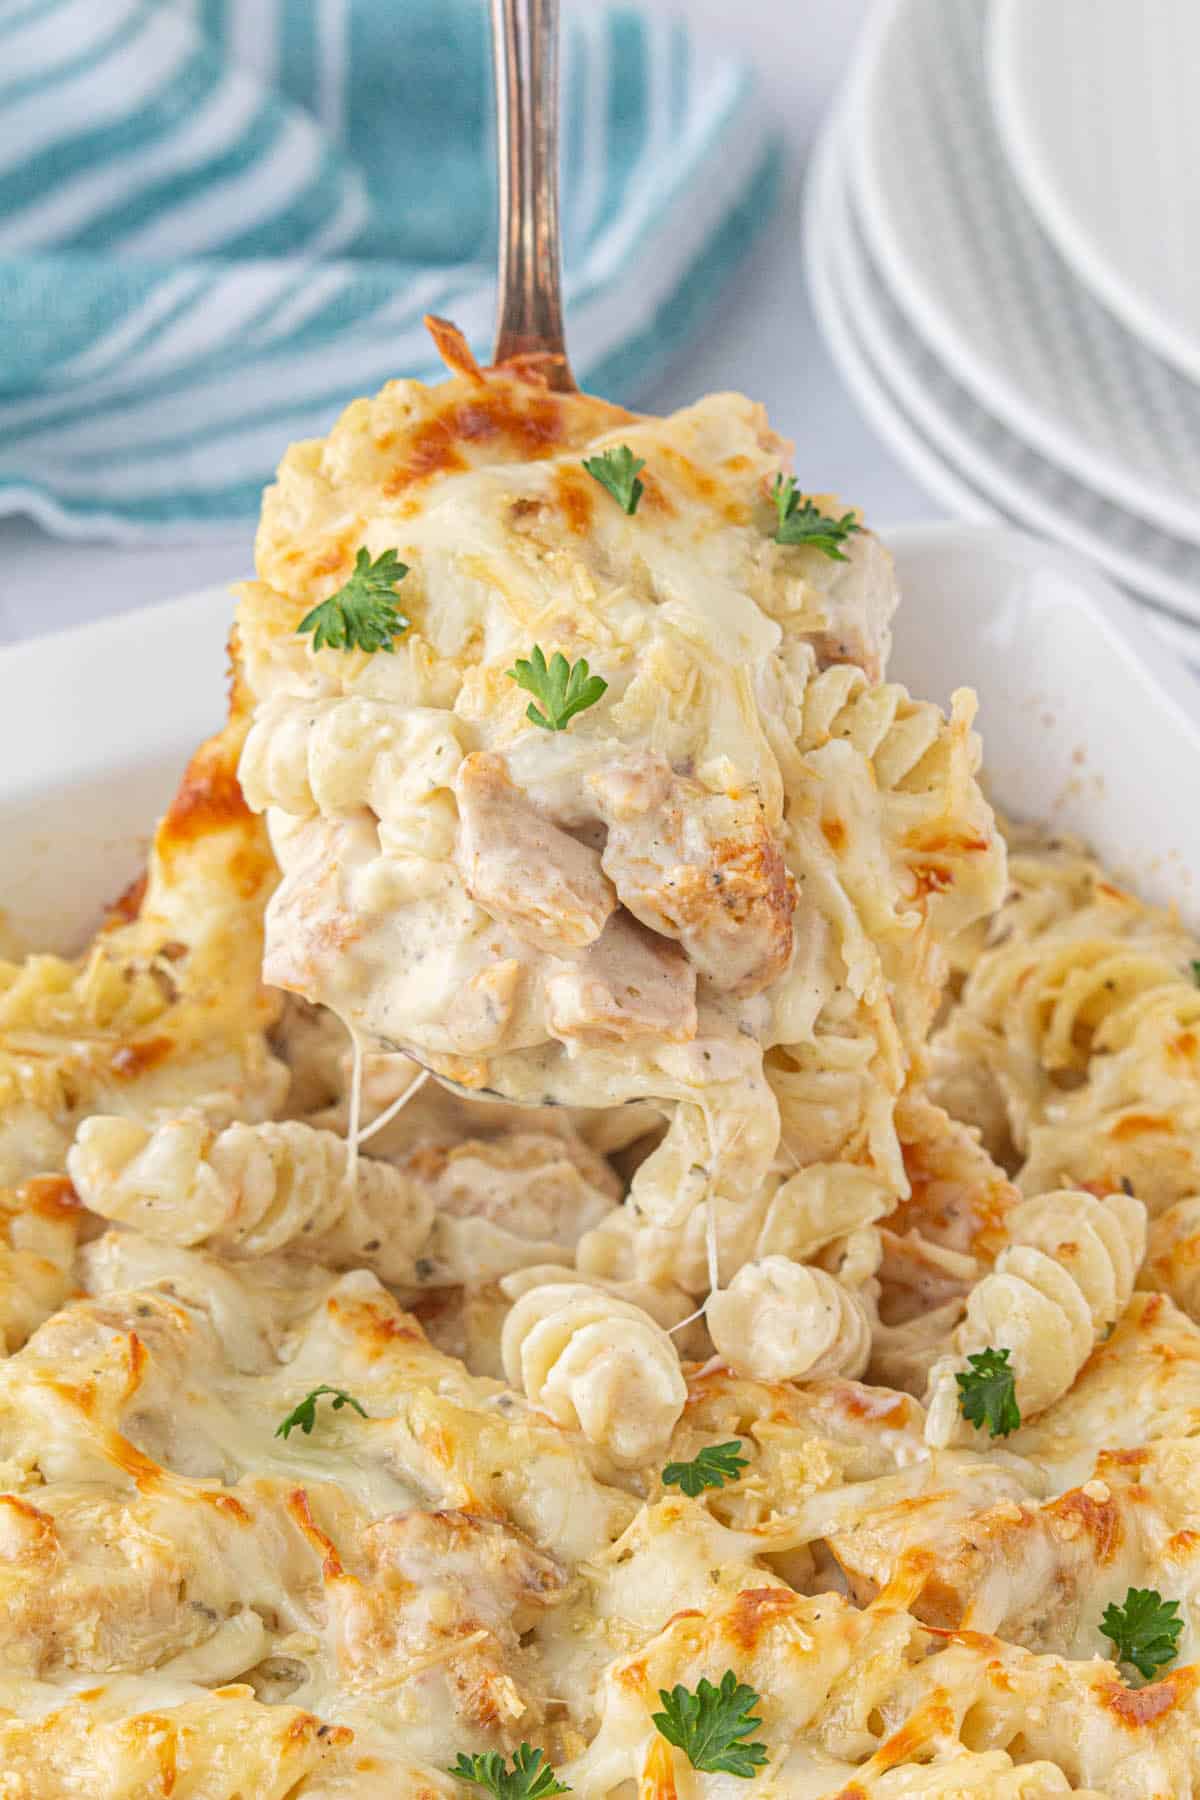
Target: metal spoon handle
[(529, 318)]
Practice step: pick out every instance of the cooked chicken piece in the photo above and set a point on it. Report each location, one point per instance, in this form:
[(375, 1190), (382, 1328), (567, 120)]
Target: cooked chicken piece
[(701, 867), (627, 985), (524, 869)]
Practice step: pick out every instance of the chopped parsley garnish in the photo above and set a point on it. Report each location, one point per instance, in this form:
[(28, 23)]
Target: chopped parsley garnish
[(362, 615), (562, 689), (617, 470), (529, 1778), (799, 521), (988, 1393), (305, 1415), (1196, 973), (712, 1468), (706, 1726), (1145, 1631)]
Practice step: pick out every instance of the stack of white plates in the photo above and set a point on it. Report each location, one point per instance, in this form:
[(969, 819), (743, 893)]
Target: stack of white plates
[(1004, 247)]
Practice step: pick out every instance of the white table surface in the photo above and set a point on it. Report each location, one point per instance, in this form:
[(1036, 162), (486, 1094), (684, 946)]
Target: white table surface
[(764, 340)]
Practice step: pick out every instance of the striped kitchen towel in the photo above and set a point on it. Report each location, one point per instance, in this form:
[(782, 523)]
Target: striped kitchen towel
[(222, 219)]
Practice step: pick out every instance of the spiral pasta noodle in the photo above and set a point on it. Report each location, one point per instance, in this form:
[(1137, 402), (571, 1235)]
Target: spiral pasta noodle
[(249, 1191), (1135, 1120), (894, 847), (795, 1216), (471, 1210), (923, 767), (1064, 1279), (339, 756), (598, 1365), (1055, 887), (1075, 1042), (780, 1320), (1052, 1005), (666, 1304)]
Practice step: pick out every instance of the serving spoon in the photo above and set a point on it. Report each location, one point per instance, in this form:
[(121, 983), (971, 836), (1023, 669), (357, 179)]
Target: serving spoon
[(529, 312), (529, 316)]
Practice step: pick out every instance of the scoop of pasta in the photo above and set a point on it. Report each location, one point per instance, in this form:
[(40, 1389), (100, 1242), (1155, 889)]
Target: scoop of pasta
[(748, 842)]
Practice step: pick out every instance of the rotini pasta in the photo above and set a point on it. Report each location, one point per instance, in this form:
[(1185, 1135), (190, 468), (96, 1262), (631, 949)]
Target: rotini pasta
[(783, 1321), (516, 1192), (1074, 1042), (253, 1190), (167, 1007), (598, 1365), (1063, 1281), (450, 1214)]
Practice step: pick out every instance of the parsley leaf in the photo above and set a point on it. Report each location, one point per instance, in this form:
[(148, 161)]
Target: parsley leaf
[(362, 615), (707, 1724), (617, 470), (563, 691), (305, 1415), (715, 1465), (528, 1779), (988, 1393), (800, 522), (1196, 973), (1145, 1631)]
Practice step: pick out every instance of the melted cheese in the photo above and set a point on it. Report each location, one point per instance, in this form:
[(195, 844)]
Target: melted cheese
[(728, 899), (734, 853)]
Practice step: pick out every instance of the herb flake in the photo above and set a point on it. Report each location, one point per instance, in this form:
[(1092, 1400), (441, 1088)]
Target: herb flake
[(305, 1415), (707, 1725), (712, 1468), (800, 521), (563, 689), (1144, 1631), (987, 1393), (362, 615), (530, 1778), (617, 470)]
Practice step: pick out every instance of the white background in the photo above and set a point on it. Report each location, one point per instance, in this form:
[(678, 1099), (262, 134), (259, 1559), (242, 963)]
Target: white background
[(763, 340)]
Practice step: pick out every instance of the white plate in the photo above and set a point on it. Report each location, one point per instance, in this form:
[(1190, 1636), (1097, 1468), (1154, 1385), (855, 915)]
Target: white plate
[(984, 287), (95, 725), (1023, 484), (856, 367), (872, 381), (1096, 105)]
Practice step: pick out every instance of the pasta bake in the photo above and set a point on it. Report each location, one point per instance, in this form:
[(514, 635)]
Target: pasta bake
[(594, 1223)]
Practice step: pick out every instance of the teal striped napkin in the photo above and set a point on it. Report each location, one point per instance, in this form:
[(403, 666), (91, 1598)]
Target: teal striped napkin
[(222, 219)]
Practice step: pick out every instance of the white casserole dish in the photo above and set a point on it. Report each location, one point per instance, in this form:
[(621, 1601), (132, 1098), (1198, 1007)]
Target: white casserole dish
[(1089, 724)]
